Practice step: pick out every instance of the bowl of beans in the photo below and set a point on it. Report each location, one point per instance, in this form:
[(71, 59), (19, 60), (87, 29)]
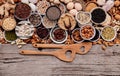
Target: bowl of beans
[(87, 32), (58, 35), (76, 36)]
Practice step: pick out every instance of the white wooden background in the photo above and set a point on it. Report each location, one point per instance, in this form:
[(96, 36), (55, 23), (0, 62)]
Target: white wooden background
[(96, 62)]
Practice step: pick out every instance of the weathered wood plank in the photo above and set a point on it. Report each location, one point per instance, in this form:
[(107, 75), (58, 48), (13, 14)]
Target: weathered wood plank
[(96, 62)]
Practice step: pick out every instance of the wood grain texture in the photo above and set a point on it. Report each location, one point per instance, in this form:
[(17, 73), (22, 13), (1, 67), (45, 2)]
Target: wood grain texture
[(96, 62)]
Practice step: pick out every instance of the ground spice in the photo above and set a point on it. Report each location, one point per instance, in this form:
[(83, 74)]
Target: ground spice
[(22, 11), (53, 13), (42, 32), (98, 15), (35, 19), (10, 35), (59, 34)]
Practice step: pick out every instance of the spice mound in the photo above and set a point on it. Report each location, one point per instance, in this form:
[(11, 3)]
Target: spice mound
[(83, 17), (35, 19), (76, 35), (98, 15), (10, 36), (108, 33), (42, 32), (87, 32), (22, 11), (53, 13), (9, 24)]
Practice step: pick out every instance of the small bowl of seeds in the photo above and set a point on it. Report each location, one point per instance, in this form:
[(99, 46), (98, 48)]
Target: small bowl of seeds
[(76, 35), (48, 23), (35, 19), (108, 33)]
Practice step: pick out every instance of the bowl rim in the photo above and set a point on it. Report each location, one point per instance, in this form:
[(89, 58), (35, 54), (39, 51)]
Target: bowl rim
[(23, 37), (114, 35), (8, 40), (98, 37), (55, 41), (79, 20), (92, 28), (48, 9), (11, 18), (40, 17), (101, 9), (22, 18), (43, 28), (73, 37), (42, 21)]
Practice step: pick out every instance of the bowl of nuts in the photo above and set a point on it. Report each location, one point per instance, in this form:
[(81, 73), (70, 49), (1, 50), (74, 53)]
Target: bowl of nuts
[(87, 32), (76, 36)]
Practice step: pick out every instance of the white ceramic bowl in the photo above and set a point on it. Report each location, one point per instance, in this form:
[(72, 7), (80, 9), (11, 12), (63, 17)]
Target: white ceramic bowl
[(18, 28), (6, 39), (46, 26), (114, 35), (73, 37), (95, 9), (55, 41), (90, 37), (40, 17), (80, 21)]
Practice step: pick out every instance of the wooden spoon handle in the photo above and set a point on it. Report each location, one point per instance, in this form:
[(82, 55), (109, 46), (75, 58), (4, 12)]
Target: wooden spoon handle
[(59, 46), (30, 52)]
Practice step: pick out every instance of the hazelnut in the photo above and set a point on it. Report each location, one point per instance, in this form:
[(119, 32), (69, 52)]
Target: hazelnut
[(117, 17), (117, 3)]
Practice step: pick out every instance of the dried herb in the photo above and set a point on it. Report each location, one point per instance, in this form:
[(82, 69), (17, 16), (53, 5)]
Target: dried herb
[(10, 35)]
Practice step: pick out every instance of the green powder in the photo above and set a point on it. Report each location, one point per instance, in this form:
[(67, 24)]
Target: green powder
[(10, 35)]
